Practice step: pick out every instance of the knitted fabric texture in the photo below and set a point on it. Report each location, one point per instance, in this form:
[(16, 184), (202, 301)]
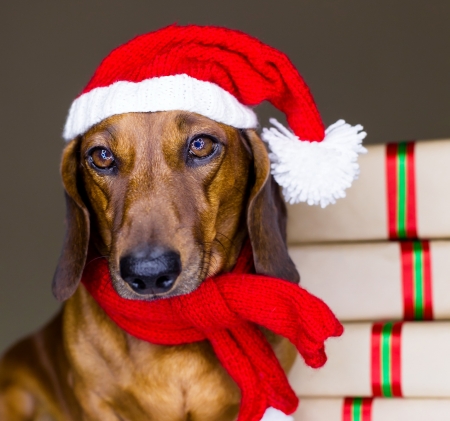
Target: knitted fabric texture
[(227, 310), (239, 64)]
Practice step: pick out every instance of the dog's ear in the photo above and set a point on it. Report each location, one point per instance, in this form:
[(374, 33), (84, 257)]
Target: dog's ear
[(266, 217), (75, 246)]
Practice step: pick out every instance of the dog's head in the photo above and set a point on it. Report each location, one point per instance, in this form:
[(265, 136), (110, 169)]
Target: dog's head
[(168, 198)]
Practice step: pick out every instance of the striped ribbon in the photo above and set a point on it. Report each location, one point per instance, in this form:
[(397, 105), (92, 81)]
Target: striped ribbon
[(401, 190), (357, 409), (416, 280), (386, 359)]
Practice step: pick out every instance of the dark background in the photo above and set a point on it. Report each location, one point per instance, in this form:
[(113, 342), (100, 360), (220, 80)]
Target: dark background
[(383, 63)]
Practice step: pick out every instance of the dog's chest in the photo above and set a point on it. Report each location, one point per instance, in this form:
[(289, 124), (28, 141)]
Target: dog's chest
[(118, 377)]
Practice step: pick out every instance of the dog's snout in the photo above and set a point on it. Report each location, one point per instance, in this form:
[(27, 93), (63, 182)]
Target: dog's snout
[(150, 272)]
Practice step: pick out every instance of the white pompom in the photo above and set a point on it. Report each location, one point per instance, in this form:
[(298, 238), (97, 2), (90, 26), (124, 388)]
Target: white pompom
[(273, 414), (315, 172)]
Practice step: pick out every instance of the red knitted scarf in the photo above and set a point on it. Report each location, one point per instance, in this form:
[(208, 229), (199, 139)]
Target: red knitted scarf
[(226, 310)]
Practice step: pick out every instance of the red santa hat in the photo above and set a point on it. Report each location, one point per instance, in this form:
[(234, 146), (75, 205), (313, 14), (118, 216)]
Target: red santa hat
[(221, 74)]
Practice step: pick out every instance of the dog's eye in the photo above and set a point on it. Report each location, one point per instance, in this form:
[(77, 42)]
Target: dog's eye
[(202, 146), (102, 158)]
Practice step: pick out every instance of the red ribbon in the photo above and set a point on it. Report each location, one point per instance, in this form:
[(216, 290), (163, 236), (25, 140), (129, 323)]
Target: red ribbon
[(357, 409), (416, 280), (401, 190), (227, 310), (386, 359)]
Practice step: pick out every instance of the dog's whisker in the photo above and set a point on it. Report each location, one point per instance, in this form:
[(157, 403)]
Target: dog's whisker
[(241, 191), (226, 237), (96, 258), (220, 242)]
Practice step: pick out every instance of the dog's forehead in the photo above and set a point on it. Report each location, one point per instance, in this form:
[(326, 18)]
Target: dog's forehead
[(156, 126)]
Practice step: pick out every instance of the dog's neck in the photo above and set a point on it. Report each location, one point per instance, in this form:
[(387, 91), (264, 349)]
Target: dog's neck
[(223, 311)]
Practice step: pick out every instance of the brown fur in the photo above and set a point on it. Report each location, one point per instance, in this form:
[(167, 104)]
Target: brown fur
[(82, 366)]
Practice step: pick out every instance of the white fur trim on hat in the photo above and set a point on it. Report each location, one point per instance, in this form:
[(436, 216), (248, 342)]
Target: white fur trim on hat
[(315, 172), (273, 414), (179, 92)]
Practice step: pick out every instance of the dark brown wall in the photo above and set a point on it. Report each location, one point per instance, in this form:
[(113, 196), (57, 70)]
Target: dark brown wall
[(384, 63)]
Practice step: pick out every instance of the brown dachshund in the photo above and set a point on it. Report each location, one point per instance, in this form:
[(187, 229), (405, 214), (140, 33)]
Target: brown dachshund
[(168, 198)]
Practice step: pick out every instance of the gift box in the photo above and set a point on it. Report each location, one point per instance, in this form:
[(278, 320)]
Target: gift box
[(368, 409), (401, 193), (385, 359), (406, 280)]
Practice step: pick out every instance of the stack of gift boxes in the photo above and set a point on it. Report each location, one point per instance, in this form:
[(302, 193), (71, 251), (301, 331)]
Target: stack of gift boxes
[(380, 258)]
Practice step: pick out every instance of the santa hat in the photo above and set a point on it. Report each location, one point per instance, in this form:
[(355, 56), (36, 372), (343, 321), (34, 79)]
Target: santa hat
[(221, 73)]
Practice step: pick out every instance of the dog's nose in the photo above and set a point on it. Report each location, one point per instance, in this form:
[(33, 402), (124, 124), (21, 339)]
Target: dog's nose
[(151, 271)]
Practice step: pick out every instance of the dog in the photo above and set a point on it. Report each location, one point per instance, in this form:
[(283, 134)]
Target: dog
[(177, 194)]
